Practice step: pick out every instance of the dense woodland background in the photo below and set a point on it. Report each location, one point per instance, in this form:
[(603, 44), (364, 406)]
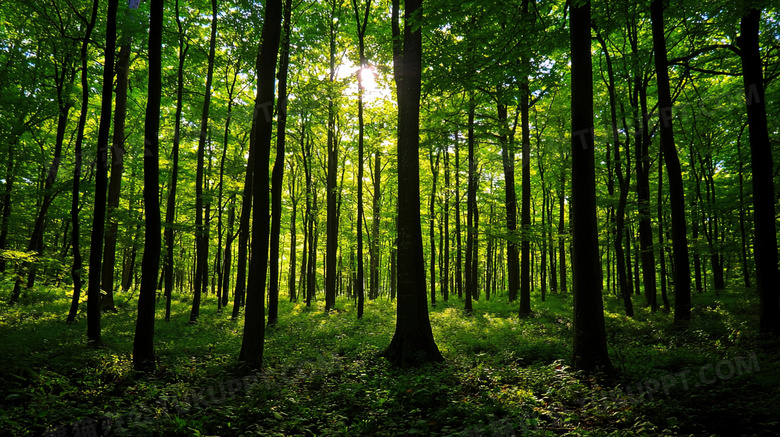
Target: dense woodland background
[(529, 185)]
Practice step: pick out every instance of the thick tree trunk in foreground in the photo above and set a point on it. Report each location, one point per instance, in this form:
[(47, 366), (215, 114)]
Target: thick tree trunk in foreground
[(143, 344), (413, 341), (254, 320), (765, 245), (590, 345)]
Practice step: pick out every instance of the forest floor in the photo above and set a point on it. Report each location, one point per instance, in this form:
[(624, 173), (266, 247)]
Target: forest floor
[(503, 376)]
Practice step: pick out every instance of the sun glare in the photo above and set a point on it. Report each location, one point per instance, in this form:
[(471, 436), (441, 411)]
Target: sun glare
[(368, 78)]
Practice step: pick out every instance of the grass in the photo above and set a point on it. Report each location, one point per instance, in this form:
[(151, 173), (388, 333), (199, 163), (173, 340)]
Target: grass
[(502, 376)]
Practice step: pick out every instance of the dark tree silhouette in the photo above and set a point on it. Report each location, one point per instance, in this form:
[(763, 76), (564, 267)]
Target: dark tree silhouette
[(413, 341), (590, 344), (143, 344), (765, 246), (254, 319)]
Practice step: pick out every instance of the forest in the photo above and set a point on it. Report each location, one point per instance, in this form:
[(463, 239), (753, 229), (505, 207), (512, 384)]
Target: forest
[(387, 217)]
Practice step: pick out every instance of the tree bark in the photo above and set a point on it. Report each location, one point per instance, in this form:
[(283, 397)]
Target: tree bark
[(682, 284), (143, 343), (590, 346), (115, 184), (254, 321), (170, 213), (413, 341), (201, 235), (277, 174), (765, 244)]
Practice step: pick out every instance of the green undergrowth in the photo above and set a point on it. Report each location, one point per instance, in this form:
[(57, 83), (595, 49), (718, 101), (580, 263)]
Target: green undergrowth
[(502, 376)]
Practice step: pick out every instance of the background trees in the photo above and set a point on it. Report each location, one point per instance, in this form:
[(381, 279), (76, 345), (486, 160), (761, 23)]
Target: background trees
[(495, 99)]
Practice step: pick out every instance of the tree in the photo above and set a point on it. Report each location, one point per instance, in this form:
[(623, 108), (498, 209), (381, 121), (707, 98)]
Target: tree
[(765, 245), (93, 318), (143, 343), (412, 341), (682, 276), (170, 210), (201, 235), (590, 343), (254, 320), (277, 174), (94, 306), (359, 280), (117, 168)]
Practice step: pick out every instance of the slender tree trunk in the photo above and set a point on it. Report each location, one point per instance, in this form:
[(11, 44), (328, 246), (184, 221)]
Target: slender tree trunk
[(277, 174), (143, 344), (642, 146), (682, 284), (562, 232), (101, 180), (471, 205), (432, 221), (742, 215), (201, 236), (525, 202), (170, 212), (445, 271), (661, 232), (332, 225), (458, 244), (510, 196), (590, 347), (93, 305), (765, 244), (117, 168)]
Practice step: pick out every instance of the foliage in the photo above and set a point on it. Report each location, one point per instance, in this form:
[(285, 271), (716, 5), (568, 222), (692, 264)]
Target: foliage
[(323, 377)]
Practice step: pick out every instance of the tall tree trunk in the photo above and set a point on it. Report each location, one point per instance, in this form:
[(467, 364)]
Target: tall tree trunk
[(622, 258), (277, 174), (332, 226), (170, 210), (361, 32), (413, 341), (117, 168), (101, 180), (458, 241), (254, 321), (682, 284), (471, 206), (590, 346), (642, 157), (661, 232), (432, 220), (93, 305), (562, 231), (293, 233), (6, 205), (201, 236), (525, 202), (510, 197), (742, 231), (445, 271), (765, 244), (227, 263), (143, 343)]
